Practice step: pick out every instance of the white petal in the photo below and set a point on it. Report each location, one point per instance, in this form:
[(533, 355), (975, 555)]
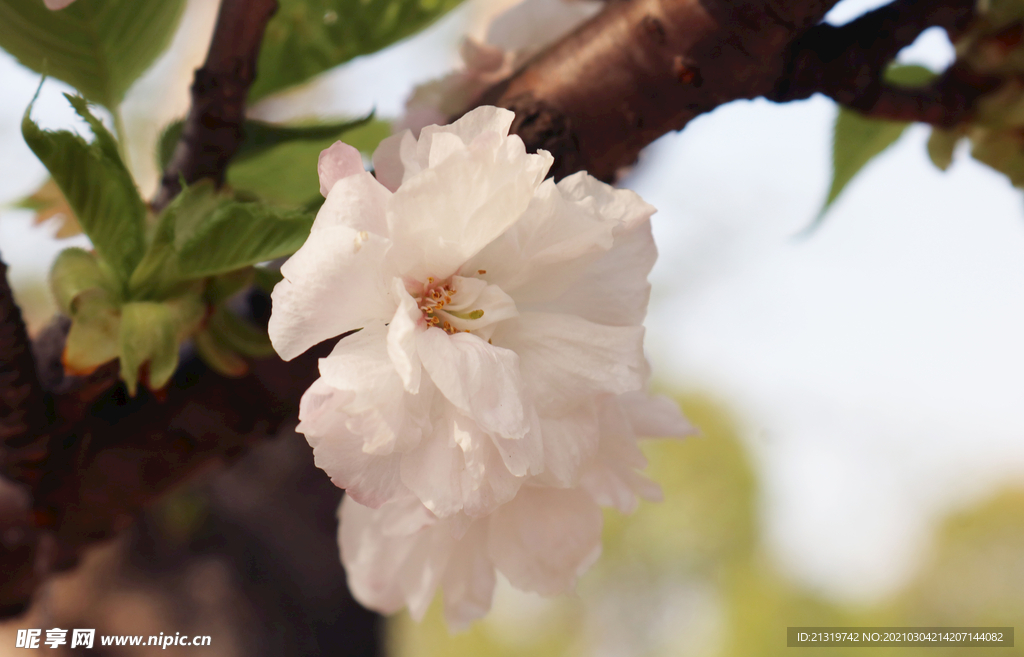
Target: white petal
[(622, 206), (445, 214), (358, 202), (565, 359), (336, 162), (469, 580), (470, 126), (570, 440), (331, 285), (402, 337), (655, 416), (612, 478), (545, 538), (481, 380), (433, 469), (370, 480), (524, 455), (394, 556), (486, 482), (379, 409), (552, 232), (57, 4), (612, 289)]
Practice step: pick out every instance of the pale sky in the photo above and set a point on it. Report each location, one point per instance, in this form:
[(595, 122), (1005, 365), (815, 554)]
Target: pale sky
[(877, 367)]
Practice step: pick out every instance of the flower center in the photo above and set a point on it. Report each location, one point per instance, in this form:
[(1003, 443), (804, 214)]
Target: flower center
[(437, 307)]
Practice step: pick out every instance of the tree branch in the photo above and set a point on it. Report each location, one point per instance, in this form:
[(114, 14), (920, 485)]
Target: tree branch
[(213, 129), (848, 63), (23, 421), (642, 68)]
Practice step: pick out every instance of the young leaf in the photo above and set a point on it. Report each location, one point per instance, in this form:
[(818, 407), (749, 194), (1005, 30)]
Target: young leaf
[(157, 275), (857, 139), (99, 47), (97, 186), (74, 272), (94, 335), (237, 235), (307, 37), (150, 334)]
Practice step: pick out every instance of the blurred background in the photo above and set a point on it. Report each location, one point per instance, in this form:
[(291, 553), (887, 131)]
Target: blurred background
[(860, 392)]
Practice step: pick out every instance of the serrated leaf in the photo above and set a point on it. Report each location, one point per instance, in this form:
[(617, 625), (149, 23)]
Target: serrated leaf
[(94, 335), (237, 235), (287, 175), (49, 203), (97, 186), (150, 333), (157, 275), (74, 272), (307, 37), (99, 47)]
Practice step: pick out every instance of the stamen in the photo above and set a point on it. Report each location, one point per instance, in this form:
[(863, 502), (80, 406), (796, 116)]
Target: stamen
[(481, 271)]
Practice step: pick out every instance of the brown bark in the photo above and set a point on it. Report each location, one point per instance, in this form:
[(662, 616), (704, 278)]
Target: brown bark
[(642, 68), (213, 128)]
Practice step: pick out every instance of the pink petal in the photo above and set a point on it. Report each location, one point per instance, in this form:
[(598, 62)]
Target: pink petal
[(337, 162)]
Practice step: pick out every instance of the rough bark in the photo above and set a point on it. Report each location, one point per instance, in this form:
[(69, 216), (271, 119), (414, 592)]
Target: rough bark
[(213, 128)]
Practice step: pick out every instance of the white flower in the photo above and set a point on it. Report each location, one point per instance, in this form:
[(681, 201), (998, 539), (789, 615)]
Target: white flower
[(54, 5), (495, 311), (512, 38), (541, 541)]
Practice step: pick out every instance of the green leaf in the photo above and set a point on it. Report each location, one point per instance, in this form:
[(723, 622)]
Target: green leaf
[(857, 139), (150, 334), (74, 272), (261, 136), (157, 276), (287, 175), (94, 335), (307, 37), (97, 186), (99, 47), (237, 235)]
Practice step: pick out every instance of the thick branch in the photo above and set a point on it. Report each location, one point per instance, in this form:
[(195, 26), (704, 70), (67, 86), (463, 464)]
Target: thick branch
[(847, 64), (642, 68), (213, 129)]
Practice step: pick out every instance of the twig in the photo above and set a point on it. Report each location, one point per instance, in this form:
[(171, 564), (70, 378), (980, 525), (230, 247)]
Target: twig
[(213, 128), (847, 63)]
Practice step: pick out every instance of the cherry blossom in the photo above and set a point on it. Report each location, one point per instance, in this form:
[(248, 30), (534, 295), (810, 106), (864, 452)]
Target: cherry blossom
[(400, 554), (492, 312)]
